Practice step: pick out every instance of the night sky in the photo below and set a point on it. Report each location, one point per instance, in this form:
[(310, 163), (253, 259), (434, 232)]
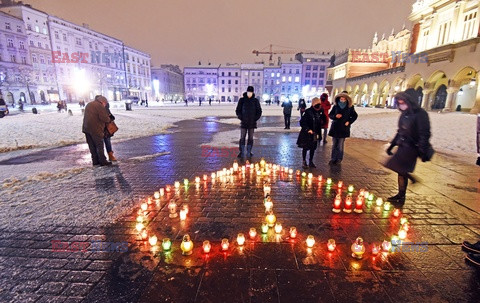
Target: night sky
[(185, 31)]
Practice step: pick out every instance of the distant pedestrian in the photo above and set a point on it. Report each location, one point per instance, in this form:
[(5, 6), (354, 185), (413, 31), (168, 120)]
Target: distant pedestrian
[(343, 114), (326, 105), (107, 139), (200, 102), (94, 120), (248, 111), (210, 101), (186, 102), (311, 123), (287, 112), (412, 139), (302, 106)]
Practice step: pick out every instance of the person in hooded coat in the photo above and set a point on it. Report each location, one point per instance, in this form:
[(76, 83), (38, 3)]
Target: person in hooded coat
[(248, 111), (343, 114), (302, 106), (311, 123), (326, 105), (412, 139)]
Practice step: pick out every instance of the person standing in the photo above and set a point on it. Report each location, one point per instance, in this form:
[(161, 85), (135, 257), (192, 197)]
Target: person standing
[(248, 111), (287, 112), (311, 123), (107, 138), (412, 139), (94, 120), (326, 105), (343, 114), (302, 106)]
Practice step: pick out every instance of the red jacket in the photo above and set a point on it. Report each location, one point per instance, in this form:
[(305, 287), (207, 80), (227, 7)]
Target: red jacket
[(326, 105)]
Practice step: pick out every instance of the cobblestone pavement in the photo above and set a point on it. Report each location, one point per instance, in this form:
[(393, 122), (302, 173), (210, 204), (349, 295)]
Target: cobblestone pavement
[(442, 210)]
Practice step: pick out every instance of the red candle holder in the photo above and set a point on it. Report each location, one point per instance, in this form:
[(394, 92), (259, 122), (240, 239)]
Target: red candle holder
[(348, 205), (336, 204), (359, 205)]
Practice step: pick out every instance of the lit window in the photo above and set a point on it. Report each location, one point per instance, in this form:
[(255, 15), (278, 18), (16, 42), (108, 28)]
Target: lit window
[(272, 75), (37, 29), (297, 79), (290, 79), (283, 79)]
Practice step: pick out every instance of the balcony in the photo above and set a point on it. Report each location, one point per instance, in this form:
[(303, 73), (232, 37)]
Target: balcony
[(395, 70)]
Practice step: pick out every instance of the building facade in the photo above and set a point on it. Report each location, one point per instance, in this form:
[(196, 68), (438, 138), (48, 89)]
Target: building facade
[(291, 81), (271, 84), (138, 73), (42, 79), (229, 87), (15, 65), (167, 83), (314, 73), (201, 82), (252, 75)]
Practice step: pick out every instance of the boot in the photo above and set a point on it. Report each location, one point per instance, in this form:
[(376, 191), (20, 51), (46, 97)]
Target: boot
[(111, 157), (249, 150), (305, 165), (398, 198), (312, 165), (242, 151)]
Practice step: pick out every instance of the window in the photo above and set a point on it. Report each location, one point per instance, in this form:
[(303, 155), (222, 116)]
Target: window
[(223, 89), (31, 43), (229, 74), (314, 75), (22, 45), (223, 81), (223, 74), (13, 58), (297, 79), (57, 36), (266, 82), (37, 29), (39, 44), (236, 89), (320, 82), (42, 59), (236, 74), (315, 67), (469, 26), (297, 71), (290, 71), (290, 79), (19, 29), (284, 79), (229, 81), (321, 75), (64, 37), (307, 75), (46, 46), (258, 74), (45, 31), (308, 67), (444, 33), (229, 89), (10, 42), (271, 82), (278, 82), (278, 75), (7, 25), (322, 67), (236, 81), (29, 27), (24, 60), (78, 41), (314, 82)]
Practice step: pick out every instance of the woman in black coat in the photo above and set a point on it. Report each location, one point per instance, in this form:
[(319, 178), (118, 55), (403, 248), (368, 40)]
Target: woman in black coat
[(301, 106), (343, 114), (311, 123), (248, 111), (412, 139)]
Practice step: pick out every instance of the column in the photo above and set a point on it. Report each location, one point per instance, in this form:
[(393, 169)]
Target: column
[(451, 93), (476, 107), (426, 93)]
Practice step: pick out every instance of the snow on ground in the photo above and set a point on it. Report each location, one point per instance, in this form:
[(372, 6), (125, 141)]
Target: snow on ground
[(451, 132)]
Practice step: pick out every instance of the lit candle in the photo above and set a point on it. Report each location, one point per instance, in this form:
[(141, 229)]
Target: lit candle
[(278, 228), (387, 206), (156, 195), (358, 249), (225, 244), (350, 188), (243, 169), (297, 172), (336, 204), (375, 249), (259, 172), (348, 204), (235, 166), (361, 192), (396, 213), (197, 179), (358, 205), (140, 219), (329, 181), (340, 184), (310, 175), (268, 204), (205, 177), (186, 246), (264, 228), (252, 233), (310, 241), (139, 227), (212, 176), (230, 172), (162, 192), (206, 246), (185, 208), (395, 240), (167, 188), (172, 207), (240, 239), (371, 197), (406, 226), (144, 234), (331, 245), (304, 174), (266, 190), (403, 220), (366, 194), (271, 219), (320, 178), (262, 162), (177, 184), (402, 234), (290, 171), (152, 240), (144, 206), (386, 246), (185, 182), (379, 202), (166, 244), (293, 232), (183, 215)]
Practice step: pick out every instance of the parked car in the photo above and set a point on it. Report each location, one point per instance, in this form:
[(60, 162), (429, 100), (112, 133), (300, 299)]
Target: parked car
[(132, 99), (3, 108)]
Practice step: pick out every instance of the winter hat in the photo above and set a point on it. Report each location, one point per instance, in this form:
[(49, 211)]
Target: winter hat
[(316, 101), (250, 89), (324, 96)]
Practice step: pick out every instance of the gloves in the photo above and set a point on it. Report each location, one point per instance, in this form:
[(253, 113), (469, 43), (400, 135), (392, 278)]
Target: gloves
[(389, 150), (478, 161)]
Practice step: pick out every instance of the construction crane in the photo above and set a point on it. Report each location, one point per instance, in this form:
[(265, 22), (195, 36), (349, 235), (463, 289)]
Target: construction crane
[(289, 51)]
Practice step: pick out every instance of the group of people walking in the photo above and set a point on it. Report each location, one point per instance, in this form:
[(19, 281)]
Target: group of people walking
[(411, 140)]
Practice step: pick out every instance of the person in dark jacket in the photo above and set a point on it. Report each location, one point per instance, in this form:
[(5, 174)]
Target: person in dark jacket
[(412, 139), (108, 137), (94, 120), (343, 114), (248, 111), (302, 106), (326, 105), (311, 123), (287, 112)]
